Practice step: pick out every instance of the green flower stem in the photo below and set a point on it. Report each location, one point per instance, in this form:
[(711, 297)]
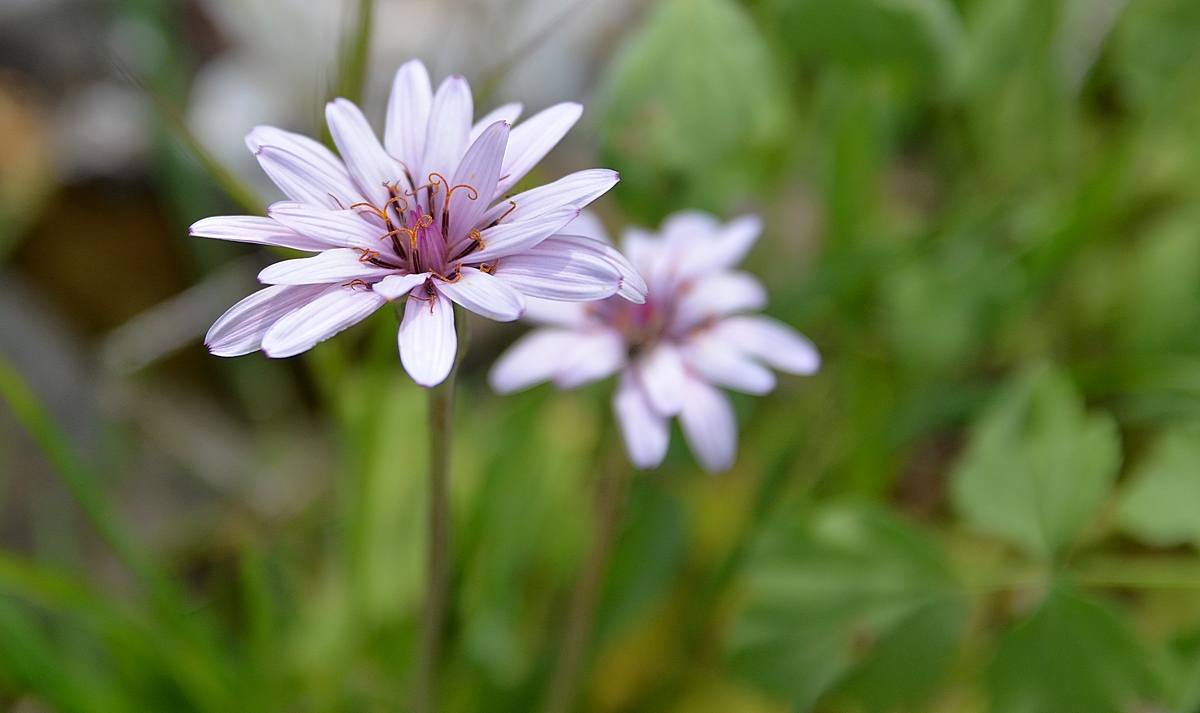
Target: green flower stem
[(81, 481), (581, 612), (437, 601)]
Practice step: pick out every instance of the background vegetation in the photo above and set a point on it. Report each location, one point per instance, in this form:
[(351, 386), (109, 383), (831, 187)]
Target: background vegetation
[(986, 213)]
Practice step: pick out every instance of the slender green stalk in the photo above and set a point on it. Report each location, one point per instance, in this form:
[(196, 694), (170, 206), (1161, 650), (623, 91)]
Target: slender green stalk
[(233, 187), (355, 53), (83, 484), (581, 612), (437, 600)]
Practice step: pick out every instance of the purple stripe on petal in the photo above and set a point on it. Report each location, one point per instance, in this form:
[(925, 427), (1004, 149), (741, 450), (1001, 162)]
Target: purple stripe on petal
[(512, 238), (533, 138), (240, 330), (335, 309), (576, 190), (336, 228), (449, 129), (477, 175), (372, 168), (337, 265), (302, 181), (557, 269), (427, 338), (313, 152), (254, 229), (484, 294), (408, 114)]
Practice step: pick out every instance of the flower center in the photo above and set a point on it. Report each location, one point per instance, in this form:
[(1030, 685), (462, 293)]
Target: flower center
[(642, 324), (417, 225)]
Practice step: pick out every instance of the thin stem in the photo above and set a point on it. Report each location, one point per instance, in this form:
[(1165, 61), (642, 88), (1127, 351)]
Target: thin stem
[(437, 601), (81, 481), (581, 612), (355, 53)]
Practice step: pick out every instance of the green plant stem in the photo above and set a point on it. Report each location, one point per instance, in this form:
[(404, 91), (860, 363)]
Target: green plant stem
[(581, 611), (226, 180), (83, 484), (355, 53), (437, 600)]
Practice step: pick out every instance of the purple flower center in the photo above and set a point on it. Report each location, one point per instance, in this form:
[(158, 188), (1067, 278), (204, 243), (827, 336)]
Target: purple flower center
[(417, 224), (643, 325)]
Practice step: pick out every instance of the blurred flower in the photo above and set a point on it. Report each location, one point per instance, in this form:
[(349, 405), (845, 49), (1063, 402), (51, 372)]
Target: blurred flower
[(689, 336), (416, 219)]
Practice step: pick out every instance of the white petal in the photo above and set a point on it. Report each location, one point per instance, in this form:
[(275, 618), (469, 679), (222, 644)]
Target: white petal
[(772, 341), (633, 287), (576, 190), (687, 227), (724, 250), (337, 265), (555, 313), (660, 374), (709, 425), (335, 228), (507, 113), (532, 139), (651, 257), (512, 238), (408, 114), (556, 269), (595, 354), (645, 433), (372, 168), (393, 287), (302, 181), (449, 129), (720, 361), (717, 295), (335, 309), (479, 170), (484, 294), (313, 152), (427, 339), (254, 229), (240, 330), (532, 359)]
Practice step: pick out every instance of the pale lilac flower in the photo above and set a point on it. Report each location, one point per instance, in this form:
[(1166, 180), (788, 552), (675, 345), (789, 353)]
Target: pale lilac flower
[(690, 336), (422, 218)]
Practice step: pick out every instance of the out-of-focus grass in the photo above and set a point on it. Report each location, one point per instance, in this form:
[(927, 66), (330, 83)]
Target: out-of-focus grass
[(987, 215)]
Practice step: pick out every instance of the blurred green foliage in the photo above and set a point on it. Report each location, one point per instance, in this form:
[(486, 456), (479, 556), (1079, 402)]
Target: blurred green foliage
[(987, 215)]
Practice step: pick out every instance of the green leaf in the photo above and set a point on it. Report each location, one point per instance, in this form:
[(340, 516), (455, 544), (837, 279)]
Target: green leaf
[(696, 111), (1161, 506), (914, 34), (1038, 466), (1183, 672), (849, 598), (1074, 655)]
